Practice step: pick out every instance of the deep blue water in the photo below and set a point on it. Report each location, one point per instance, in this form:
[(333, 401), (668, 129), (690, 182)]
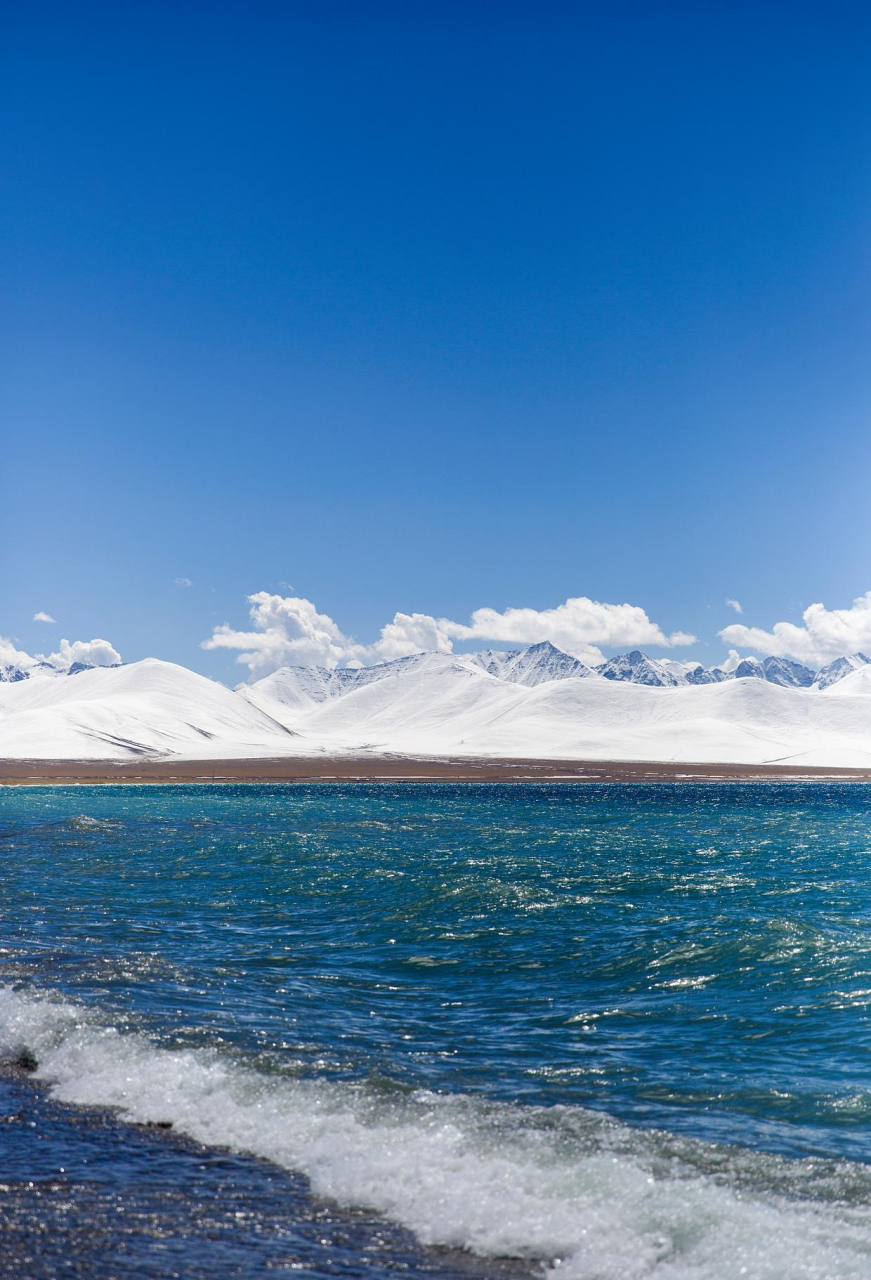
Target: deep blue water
[(497, 988)]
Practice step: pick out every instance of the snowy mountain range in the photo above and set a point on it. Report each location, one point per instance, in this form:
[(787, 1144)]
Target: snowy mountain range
[(640, 669), (533, 702), (536, 664)]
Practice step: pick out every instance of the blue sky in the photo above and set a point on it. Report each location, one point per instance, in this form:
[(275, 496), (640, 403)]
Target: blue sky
[(503, 306)]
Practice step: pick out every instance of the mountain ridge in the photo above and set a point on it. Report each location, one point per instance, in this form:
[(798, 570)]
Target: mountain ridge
[(533, 703)]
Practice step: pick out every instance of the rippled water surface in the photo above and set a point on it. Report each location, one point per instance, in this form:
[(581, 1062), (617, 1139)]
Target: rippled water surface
[(620, 1030)]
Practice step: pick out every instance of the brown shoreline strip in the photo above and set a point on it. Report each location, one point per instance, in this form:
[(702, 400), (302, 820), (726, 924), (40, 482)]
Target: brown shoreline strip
[(402, 769)]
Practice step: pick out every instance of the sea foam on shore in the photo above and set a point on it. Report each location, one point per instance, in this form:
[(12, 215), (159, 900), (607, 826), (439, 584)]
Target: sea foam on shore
[(588, 1195)]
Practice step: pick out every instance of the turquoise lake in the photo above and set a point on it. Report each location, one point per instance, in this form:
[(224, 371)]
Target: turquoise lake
[(475, 1029)]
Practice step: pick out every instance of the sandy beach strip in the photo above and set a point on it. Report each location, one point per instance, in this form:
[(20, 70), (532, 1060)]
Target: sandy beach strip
[(402, 769)]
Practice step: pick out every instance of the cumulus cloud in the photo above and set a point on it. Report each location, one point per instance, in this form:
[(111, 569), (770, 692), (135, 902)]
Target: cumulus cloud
[(290, 630), (731, 662), (734, 604), (578, 626), (11, 656), (413, 633), (42, 616), (286, 630), (826, 634), (183, 582), (93, 653)]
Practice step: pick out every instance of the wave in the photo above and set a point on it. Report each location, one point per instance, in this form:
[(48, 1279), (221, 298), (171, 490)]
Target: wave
[(79, 823), (588, 1196)]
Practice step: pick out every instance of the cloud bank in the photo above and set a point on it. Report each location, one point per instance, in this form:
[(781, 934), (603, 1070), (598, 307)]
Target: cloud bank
[(10, 656), (289, 630), (92, 653), (286, 630), (826, 634)]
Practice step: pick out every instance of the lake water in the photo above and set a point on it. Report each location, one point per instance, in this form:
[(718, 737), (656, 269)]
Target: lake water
[(441, 1030)]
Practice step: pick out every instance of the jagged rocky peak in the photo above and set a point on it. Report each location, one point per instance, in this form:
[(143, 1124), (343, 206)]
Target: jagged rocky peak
[(791, 675), (706, 675), (639, 669), (781, 671), (838, 669), (540, 663), (543, 663), (491, 660), (11, 675), (749, 668)]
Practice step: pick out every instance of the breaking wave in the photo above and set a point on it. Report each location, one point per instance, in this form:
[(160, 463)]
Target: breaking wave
[(588, 1196)]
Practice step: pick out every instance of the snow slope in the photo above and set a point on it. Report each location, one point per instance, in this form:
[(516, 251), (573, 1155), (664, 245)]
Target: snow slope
[(301, 687), (149, 708), (461, 712), (840, 669), (435, 704), (537, 664), (856, 684)]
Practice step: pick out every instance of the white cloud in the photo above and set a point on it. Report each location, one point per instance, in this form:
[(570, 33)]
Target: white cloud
[(411, 633), (734, 604), (826, 634), (183, 582), (94, 653), (731, 662), (41, 616), (578, 626), (289, 630), (10, 656)]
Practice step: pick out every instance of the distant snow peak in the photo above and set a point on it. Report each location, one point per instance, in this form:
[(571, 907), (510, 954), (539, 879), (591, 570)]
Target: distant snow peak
[(707, 675), (639, 669), (838, 669), (538, 664), (302, 686), (749, 668), (789, 675), (544, 663), (11, 675)]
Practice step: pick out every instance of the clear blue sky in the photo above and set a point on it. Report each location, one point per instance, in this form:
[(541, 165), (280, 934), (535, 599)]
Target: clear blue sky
[(501, 305)]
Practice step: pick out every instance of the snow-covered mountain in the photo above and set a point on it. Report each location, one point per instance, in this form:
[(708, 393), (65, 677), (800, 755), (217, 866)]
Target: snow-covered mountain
[(637, 668), (149, 708), (532, 702), (10, 674), (697, 674), (789, 675), (839, 670), (457, 709), (304, 686), (534, 665), (856, 683)]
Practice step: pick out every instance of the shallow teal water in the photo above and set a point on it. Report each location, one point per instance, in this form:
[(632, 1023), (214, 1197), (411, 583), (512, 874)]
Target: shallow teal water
[(687, 958)]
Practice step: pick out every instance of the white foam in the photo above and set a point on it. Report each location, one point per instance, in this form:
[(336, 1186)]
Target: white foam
[(593, 1197)]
